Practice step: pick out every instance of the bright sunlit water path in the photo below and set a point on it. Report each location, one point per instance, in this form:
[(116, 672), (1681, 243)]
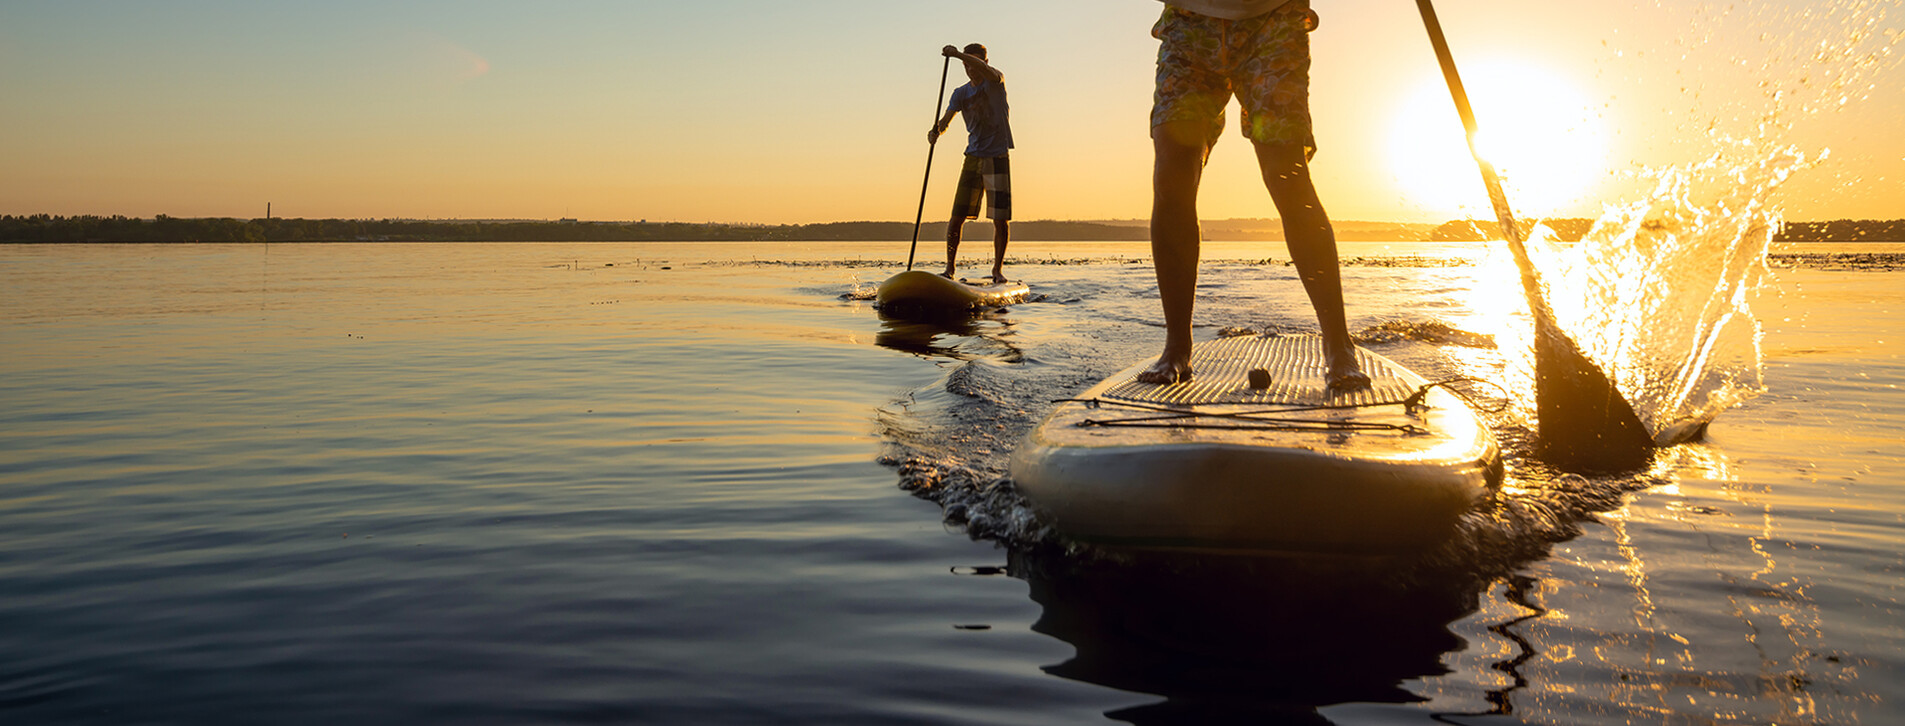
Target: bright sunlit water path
[(657, 483)]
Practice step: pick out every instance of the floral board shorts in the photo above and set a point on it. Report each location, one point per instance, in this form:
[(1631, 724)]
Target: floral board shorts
[(1264, 61), (991, 175)]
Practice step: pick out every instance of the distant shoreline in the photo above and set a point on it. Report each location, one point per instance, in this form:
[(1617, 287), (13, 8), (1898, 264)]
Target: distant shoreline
[(41, 228)]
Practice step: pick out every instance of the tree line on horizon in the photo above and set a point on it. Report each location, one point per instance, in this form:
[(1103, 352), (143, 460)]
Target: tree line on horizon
[(1573, 229), (86, 228), (43, 228)]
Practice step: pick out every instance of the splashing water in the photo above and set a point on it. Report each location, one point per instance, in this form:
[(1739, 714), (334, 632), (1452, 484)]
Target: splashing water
[(1657, 291), (861, 290), (1660, 287)]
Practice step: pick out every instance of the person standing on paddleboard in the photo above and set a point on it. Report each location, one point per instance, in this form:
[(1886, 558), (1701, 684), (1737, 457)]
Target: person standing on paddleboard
[(1259, 51), (987, 169)]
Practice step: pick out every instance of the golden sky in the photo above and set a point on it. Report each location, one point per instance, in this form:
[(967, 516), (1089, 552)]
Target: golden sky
[(791, 112)]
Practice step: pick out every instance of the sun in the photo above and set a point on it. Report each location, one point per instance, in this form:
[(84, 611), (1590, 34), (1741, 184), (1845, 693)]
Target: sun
[(1542, 134)]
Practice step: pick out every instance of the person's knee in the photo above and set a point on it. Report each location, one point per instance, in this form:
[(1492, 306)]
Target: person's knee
[(1180, 154), (1175, 183), (1180, 144), (1185, 135)]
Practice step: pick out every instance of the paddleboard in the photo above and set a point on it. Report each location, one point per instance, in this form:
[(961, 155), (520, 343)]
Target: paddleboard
[(1217, 463), (919, 291)]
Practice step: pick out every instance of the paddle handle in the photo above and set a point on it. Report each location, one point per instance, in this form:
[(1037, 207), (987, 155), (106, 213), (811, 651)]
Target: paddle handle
[(1531, 284), (934, 143)]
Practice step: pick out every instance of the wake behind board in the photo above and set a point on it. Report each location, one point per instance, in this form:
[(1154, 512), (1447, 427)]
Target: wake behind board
[(922, 292), (1216, 464)]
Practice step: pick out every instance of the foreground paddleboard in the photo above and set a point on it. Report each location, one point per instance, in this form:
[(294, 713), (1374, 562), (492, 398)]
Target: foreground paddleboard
[(918, 291), (1217, 464)]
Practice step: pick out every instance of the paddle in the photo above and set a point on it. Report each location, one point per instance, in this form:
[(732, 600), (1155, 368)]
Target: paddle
[(1584, 423), (943, 67)]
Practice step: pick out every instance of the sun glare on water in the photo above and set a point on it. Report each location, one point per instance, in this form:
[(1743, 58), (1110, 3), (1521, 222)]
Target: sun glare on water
[(1544, 137)]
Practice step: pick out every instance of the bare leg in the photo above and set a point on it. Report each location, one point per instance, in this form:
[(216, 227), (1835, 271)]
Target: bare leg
[(1001, 233), (1180, 154), (953, 230), (1312, 243)]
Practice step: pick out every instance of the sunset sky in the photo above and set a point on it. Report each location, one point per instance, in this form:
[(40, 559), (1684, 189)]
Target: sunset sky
[(774, 111)]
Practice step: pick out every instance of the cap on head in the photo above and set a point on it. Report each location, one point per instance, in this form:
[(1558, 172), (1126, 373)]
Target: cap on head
[(976, 49)]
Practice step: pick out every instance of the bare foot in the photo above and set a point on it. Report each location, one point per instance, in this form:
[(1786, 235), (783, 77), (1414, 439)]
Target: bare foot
[(1168, 369), (948, 274), (998, 278), (1345, 376)]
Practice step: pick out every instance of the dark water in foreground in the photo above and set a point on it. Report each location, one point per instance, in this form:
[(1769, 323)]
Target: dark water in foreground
[(654, 483)]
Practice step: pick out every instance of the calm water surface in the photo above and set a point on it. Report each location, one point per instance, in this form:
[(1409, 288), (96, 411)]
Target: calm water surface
[(670, 483)]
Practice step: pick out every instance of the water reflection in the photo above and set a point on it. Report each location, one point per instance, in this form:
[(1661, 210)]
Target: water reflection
[(950, 336), (1624, 628), (1762, 658), (1228, 639)]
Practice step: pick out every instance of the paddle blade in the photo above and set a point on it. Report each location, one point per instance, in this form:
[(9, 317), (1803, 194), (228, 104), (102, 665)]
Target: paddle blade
[(1585, 424)]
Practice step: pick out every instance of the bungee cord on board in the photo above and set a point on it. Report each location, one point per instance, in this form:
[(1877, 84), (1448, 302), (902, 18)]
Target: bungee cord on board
[(1274, 419)]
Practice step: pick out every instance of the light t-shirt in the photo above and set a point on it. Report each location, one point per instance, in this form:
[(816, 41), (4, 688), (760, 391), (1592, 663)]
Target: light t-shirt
[(1228, 9)]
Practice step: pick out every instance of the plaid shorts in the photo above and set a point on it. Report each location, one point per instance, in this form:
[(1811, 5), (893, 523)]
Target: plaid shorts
[(991, 175), (1264, 61)]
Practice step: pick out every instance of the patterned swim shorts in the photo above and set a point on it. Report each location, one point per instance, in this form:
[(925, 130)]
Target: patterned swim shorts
[(1264, 61), (991, 175)]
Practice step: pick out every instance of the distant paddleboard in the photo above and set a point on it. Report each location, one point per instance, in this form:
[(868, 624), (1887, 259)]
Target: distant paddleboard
[(918, 291), (1225, 462)]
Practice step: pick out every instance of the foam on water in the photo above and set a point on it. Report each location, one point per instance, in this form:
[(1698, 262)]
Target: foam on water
[(950, 441)]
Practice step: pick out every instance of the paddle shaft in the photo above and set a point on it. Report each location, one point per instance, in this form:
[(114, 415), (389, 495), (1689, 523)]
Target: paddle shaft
[(1511, 230), (1584, 421), (921, 213)]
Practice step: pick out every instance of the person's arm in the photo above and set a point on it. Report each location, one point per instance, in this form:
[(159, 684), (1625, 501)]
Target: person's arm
[(973, 63), (932, 136)]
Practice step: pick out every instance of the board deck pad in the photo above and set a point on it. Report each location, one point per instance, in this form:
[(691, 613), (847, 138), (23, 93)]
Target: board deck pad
[(1220, 375)]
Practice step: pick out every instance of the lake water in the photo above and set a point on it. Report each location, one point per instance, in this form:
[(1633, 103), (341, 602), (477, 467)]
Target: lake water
[(707, 483)]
